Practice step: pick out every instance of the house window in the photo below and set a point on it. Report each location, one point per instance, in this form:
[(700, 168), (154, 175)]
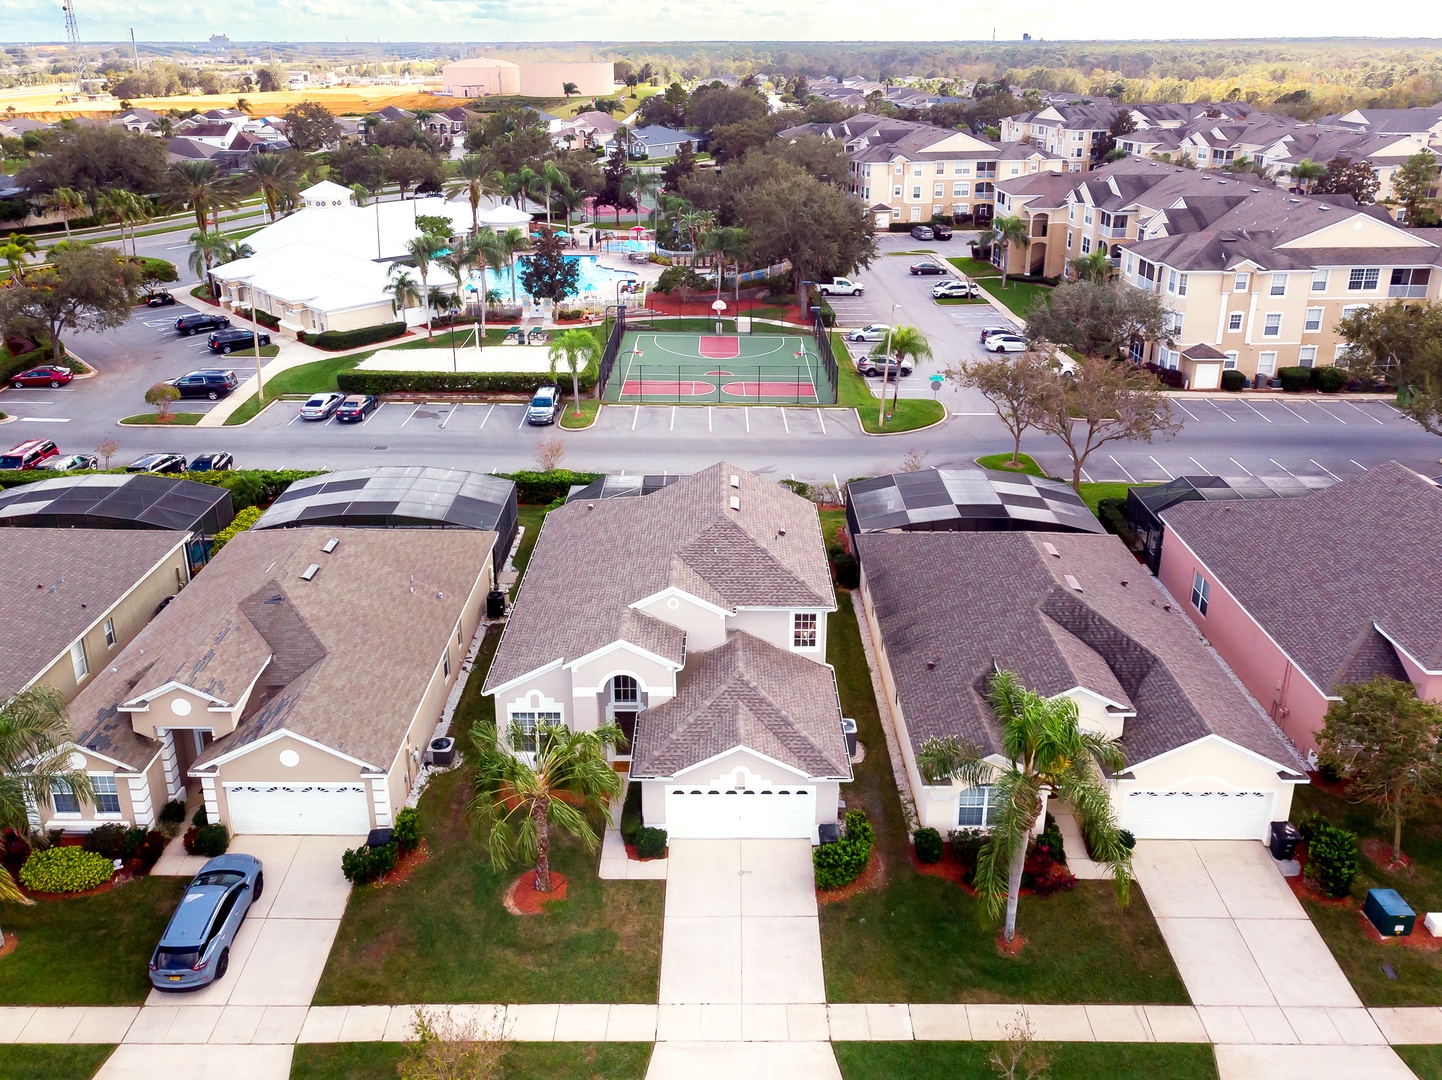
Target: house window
[(803, 631), (523, 729), (1409, 284), (1273, 327), (1279, 285), (896, 191), (110, 633), (625, 690), (1314, 319), (1176, 283), (1241, 282), (1230, 363), (63, 799), (1234, 321), (1363, 279), (1307, 356), (1319, 281), (1266, 363), (974, 807), (1201, 592), (1068, 241), (446, 664), (960, 190), (107, 798), (1086, 245), (78, 660)]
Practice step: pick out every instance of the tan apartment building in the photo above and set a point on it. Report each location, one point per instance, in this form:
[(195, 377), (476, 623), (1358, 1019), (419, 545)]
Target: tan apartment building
[(1078, 134)]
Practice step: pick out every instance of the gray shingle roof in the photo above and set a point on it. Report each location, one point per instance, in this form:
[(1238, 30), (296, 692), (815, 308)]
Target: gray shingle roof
[(1006, 602), (1359, 553), (595, 558), (749, 693)]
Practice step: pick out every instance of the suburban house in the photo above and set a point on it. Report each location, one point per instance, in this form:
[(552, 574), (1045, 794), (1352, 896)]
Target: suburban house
[(1074, 616), (73, 598), (1354, 603), (297, 682), (693, 616), (588, 130), (656, 141)]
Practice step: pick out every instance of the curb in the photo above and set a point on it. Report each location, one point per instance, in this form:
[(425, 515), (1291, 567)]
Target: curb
[(589, 426), (945, 415)]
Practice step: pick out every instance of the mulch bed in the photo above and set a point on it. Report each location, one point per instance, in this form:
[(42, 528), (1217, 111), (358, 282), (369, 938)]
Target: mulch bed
[(631, 854), (523, 899), (406, 864), (1380, 852), (120, 878), (948, 869), (870, 877), (1012, 947), (1420, 938), (8, 943)]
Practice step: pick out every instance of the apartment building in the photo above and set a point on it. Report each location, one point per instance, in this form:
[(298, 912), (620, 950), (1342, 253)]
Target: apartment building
[(1425, 122), (1078, 133), (911, 172)]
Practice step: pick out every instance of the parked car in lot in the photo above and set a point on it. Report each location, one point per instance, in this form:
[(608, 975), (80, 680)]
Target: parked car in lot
[(841, 287), (235, 337), (943, 232), (545, 407), (960, 290), (212, 383), (31, 454), (1006, 343), (869, 332), (194, 951), (988, 331), (922, 232), (356, 407), (320, 406), (159, 298), (48, 375), (927, 268), (200, 320), (219, 461), (75, 463), (158, 463), (876, 366)]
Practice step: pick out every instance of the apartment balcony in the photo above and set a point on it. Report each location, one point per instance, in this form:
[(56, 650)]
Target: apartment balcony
[(1115, 232), (1407, 292)]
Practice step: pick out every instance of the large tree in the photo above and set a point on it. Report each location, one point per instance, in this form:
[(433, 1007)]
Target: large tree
[(714, 105), (83, 288), (679, 168), (1384, 740), (311, 126), (91, 159), (1414, 188), (1006, 230), (1099, 318), (200, 187), (1401, 343), (547, 274), (1343, 176), (1043, 750), (1018, 388)]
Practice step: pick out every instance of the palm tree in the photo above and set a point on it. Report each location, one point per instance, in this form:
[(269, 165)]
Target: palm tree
[(205, 248), (550, 178), (403, 289), (199, 187), (512, 187), (459, 261), (1095, 267), (696, 224), (510, 244), (69, 202), (647, 186), (33, 729), (727, 242), (1006, 230), (477, 180), (275, 176), (577, 349), (1045, 751), (572, 200), (904, 343), (15, 249), (489, 250), (570, 88), (559, 778), (422, 249), (1307, 172)]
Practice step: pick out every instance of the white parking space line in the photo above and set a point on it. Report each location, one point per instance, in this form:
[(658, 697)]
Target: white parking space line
[(293, 419), (1221, 410), (450, 414), (376, 412), (1284, 468), (1204, 469), (822, 420), (27, 401), (673, 418), (709, 410), (483, 419), (1239, 465), (1357, 463), (417, 409), (1324, 468), (784, 421), (523, 420), (1364, 412), (635, 416), (1186, 410), (1258, 411), (1294, 412), (1119, 465), (1328, 412), (1086, 477), (746, 411), (45, 419), (1170, 475)]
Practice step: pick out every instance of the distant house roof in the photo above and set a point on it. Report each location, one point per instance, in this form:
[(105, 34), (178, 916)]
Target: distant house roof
[(118, 501), (1064, 611), (612, 486), (181, 147), (974, 500), (1362, 560), (658, 135)]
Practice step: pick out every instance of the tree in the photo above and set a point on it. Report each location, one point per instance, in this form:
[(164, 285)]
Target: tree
[(162, 398), (421, 250), (15, 249), (509, 244), (275, 176), (905, 343), (84, 288), (1401, 343), (613, 175), (33, 732), (1307, 172), (404, 290), (205, 249), (107, 449), (311, 126), (199, 187), (359, 165), (679, 168), (575, 349), (1017, 388), (1094, 267), (711, 106), (1105, 401), (1343, 176), (1044, 750), (547, 274), (1384, 740), (90, 159), (570, 89), (68, 203), (547, 777), (549, 178), (407, 167), (1099, 318), (270, 78), (1414, 186), (1124, 123), (1007, 229)]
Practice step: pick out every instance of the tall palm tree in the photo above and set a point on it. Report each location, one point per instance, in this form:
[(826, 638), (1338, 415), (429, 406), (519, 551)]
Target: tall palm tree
[(548, 179), (550, 777), (906, 343), (576, 349), (137, 210), (647, 187), (511, 243), (1006, 230), (528, 183), (572, 200), (1307, 172), (696, 224), (275, 176), (422, 249), (205, 249), (727, 242), (1095, 267), (477, 180), (404, 290), (199, 187), (15, 249), (489, 251), (69, 202), (33, 729), (1045, 751)]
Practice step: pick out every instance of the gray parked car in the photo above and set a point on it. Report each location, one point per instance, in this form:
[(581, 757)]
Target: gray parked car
[(194, 951)]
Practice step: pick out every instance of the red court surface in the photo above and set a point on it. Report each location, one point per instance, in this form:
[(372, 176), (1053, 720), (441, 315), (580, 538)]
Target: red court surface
[(719, 348), (739, 389), (641, 388), (769, 389)]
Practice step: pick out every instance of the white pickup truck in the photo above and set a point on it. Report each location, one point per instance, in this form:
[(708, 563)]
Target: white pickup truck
[(841, 287)]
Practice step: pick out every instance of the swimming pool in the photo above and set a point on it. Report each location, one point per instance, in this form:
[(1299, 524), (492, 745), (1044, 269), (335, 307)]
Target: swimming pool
[(593, 277)]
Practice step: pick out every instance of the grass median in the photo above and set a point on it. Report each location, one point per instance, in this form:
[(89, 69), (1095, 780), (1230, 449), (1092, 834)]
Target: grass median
[(180, 419), (587, 417), (522, 1061), (909, 414), (317, 377), (1069, 1061)]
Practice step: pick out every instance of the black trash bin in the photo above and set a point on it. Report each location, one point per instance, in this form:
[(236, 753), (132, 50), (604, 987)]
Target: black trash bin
[(495, 604), (828, 833), (1285, 839), (378, 838)]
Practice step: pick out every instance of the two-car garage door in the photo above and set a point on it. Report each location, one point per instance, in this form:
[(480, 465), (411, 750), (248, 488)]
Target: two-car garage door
[(306, 809), (1196, 815), (715, 814)]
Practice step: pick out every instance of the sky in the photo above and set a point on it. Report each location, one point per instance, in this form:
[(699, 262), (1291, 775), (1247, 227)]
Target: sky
[(673, 20)]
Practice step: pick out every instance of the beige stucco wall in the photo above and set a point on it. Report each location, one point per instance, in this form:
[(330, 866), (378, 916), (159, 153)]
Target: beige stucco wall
[(774, 626), (549, 80), (704, 627), (141, 793), (162, 714), (657, 680), (961, 184)]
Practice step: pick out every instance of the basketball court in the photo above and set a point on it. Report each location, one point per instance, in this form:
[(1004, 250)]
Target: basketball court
[(710, 369)]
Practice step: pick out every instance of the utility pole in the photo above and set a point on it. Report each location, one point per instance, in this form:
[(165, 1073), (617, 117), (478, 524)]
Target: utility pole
[(72, 31), (134, 52)]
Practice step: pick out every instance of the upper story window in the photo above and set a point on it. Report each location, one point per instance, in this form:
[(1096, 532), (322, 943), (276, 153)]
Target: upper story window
[(1363, 278), (1319, 281), (1278, 286), (1241, 283), (624, 690), (1201, 592), (1176, 283), (110, 633), (803, 630), (916, 170), (1314, 319), (78, 661), (1234, 321), (63, 799), (1273, 326)]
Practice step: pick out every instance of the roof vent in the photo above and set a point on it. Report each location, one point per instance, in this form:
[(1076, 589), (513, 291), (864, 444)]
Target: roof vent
[(1072, 582), (735, 503), (310, 572), (331, 545), (735, 480), (1050, 549), (1324, 208)]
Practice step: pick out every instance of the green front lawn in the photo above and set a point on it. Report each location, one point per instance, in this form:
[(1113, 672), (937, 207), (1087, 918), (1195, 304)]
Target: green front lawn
[(317, 377), (589, 408), (523, 1061), (974, 268), (33, 1061), (854, 391), (1069, 1061), (1423, 1060), (1019, 296), (917, 938), (953, 301), (1419, 972), (92, 950), (180, 419)]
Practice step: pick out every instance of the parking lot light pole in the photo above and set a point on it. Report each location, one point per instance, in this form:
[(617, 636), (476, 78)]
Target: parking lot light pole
[(886, 368), (255, 340)]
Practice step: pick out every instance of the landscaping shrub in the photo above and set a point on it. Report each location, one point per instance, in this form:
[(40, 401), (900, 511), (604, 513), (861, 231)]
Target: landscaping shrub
[(155, 269), (1332, 856), (65, 869), (463, 382), (147, 852), (340, 340), (848, 570), (267, 320), (1051, 839), (14, 849), (365, 864), (1331, 771), (407, 830), (201, 818), (1166, 376), (206, 840), (540, 488), (928, 845), (801, 487), (238, 524), (1233, 380), (966, 845), (172, 813), (650, 843), (107, 840), (631, 814), (843, 862), (1294, 379), (1329, 379)]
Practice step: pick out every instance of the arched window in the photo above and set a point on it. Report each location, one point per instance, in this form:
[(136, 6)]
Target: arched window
[(624, 690)]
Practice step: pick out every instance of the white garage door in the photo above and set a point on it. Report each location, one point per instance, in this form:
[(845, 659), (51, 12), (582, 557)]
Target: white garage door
[(307, 809), (1197, 815), (712, 814)]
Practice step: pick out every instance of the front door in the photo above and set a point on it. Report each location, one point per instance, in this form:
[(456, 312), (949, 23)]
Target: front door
[(626, 721)]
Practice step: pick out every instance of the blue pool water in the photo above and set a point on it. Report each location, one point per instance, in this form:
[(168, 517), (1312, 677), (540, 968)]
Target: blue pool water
[(593, 277)]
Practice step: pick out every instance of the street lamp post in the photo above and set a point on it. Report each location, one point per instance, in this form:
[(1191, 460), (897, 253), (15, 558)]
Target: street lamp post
[(886, 368)]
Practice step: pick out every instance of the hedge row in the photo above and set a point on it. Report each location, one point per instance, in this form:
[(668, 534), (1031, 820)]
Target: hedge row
[(239, 524), (843, 862), (541, 488), (267, 320), (339, 340), (13, 364), (472, 382)]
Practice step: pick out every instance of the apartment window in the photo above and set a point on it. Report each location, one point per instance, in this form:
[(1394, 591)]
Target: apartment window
[(1086, 245), (1129, 260), (1273, 327), (1087, 216), (1319, 281), (523, 729), (78, 660), (625, 690), (1241, 283), (1174, 323), (896, 213), (1344, 350), (1352, 309), (803, 631), (1068, 241), (1409, 284), (1234, 321), (1176, 283), (936, 210), (1266, 363), (1363, 279), (1230, 363), (1071, 213), (63, 799), (916, 170), (916, 191), (960, 190), (107, 798), (1181, 284), (1015, 168), (1201, 592), (1314, 319), (1279, 285), (974, 807), (1307, 356), (938, 191), (110, 633), (896, 191)]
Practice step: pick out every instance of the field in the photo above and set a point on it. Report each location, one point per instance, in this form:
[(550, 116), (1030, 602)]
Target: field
[(40, 102)]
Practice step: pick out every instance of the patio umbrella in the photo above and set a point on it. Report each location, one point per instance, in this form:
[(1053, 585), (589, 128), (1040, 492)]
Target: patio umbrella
[(638, 228)]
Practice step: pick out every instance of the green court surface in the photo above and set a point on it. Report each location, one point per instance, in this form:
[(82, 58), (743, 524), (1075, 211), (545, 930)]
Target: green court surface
[(725, 369)]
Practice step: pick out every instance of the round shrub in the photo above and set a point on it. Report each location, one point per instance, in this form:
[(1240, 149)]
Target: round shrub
[(206, 840), (1332, 859), (1294, 378), (65, 869), (407, 830), (365, 864), (1232, 381), (173, 812), (107, 840), (928, 845), (848, 570), (843, 862), (1329, 379), (650, 843)]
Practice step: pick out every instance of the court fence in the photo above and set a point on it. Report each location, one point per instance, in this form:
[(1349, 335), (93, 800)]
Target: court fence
[(828, 357), (611, 351), (744, 384)]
